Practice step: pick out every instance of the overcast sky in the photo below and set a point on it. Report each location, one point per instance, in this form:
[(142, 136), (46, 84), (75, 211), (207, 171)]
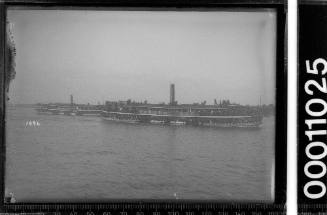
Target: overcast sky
[(119, 55)]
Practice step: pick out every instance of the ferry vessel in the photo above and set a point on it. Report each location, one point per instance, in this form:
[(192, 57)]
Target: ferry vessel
[(207, 121)]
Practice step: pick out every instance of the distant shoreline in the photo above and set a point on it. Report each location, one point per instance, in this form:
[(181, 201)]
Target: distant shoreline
[(21, 105)]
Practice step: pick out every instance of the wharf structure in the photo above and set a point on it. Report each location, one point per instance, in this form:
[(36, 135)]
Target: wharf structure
[(222, 114), (70, 109)]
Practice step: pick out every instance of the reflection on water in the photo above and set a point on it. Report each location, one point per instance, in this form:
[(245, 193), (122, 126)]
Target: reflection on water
[(78, 158)]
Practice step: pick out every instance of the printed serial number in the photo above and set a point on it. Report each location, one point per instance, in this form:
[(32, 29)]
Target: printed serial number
[(311, 88)]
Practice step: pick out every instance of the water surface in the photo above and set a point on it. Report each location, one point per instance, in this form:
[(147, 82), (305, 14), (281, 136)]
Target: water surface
[(78, 158)]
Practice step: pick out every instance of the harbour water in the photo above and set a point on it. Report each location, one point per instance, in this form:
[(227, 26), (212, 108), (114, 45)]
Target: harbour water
[(80, 158)]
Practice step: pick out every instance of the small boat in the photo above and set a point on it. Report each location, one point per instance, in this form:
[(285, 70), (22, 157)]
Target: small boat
[(177, 122), (160, 122)]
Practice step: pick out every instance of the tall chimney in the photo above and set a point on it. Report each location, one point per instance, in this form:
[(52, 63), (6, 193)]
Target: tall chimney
[(71, 100), (172, 94)]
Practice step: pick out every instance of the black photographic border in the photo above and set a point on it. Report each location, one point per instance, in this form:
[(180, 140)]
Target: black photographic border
[(312, 22), (148, 206)]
